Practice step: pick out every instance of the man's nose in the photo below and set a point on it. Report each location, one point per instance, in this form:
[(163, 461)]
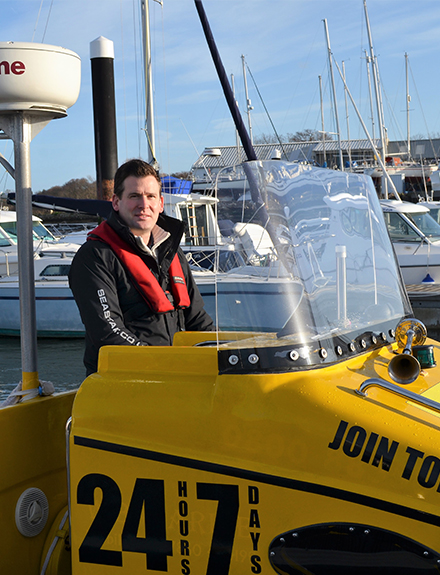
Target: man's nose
[(143, 201)]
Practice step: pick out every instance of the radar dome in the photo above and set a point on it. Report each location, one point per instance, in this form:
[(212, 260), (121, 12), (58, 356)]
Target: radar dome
[(38, 77)]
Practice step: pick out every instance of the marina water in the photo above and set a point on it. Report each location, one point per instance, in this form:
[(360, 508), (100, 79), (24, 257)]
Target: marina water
[(59, 361)]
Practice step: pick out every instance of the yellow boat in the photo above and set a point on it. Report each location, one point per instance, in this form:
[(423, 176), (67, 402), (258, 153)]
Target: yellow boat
[(306, 441), (303, 438)]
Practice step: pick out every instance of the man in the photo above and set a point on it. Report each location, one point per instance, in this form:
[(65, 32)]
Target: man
[(131, 281)]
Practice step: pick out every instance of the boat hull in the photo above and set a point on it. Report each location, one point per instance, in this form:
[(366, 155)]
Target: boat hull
[(32, 460), (57, 314), (236, 464), (416, 171), (416, 262)]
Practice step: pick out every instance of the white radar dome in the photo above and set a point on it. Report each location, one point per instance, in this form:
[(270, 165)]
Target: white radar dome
[(38, 77)]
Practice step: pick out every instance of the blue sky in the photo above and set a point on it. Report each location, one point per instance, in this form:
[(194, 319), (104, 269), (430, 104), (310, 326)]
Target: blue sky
[(284, 44)]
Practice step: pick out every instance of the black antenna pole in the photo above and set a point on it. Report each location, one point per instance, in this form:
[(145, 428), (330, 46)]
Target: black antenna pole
[(236, 116), (244, 136)]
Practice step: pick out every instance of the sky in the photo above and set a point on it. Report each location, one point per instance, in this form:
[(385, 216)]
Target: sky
[(285, 50)]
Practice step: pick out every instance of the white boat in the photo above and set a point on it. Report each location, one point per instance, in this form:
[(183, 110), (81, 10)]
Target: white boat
[(44, 243), (406, 169), (416, 240), (57, 314)]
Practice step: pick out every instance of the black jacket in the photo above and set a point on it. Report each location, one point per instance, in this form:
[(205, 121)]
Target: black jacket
[(111, 307)]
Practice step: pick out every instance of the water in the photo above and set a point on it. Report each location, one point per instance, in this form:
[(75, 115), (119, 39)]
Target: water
[(59, 361)]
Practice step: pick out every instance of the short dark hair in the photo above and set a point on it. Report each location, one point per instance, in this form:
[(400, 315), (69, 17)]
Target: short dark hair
[(137, 168)]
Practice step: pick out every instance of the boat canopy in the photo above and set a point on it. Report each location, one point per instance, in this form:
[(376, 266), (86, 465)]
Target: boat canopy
[(172, 185), (318, 280)]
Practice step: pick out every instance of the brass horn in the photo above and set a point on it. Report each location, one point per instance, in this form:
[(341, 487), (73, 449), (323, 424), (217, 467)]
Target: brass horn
[(405, 368)]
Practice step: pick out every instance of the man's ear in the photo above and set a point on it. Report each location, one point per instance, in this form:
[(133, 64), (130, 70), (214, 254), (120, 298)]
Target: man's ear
[(115, 203)]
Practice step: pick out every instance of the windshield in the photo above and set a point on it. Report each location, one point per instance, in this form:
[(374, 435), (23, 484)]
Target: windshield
[(317, 271), (426, 223), (435, 213), (42, 232), (39, 231), (400, 229)]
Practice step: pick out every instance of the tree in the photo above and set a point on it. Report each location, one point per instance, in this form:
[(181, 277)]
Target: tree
[(80, 188), (308, 135), (268, 139), (182, 175)]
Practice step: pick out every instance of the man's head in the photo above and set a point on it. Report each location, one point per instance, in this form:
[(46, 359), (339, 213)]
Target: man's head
[(138, 197)]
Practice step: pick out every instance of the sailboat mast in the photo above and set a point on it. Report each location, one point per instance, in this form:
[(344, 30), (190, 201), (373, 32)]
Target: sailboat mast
[(237, 137), (249, 107), (149, 112), (346, 117), (322, 121), (368, 60), (341, 161), (408, 100), (377, 92), (387, 177)]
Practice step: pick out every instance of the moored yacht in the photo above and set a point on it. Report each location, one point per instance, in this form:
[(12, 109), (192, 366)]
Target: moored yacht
[(44, 243), (415, 235)]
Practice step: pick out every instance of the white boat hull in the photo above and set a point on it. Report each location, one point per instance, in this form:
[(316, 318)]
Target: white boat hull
[(238, 297), (416, 171), (415, 264), (56, 310)]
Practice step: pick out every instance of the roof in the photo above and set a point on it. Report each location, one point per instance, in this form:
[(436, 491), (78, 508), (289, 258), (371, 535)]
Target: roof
[(402, 207), (11, 216), (221, 156), (352, 145)]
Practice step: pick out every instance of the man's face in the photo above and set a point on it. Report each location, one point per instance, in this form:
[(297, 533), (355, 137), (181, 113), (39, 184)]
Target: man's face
[(140, 205)]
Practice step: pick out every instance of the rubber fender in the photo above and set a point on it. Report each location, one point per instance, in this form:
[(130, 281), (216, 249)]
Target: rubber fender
[(56, 557)]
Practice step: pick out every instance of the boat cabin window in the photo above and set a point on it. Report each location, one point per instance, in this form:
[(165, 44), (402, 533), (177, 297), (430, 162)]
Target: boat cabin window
[(42, 232), (4, 240), (426, 223), (39, 232), (55, 270), (435, 213), (10, 229), (399, 229), (206, 259)]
